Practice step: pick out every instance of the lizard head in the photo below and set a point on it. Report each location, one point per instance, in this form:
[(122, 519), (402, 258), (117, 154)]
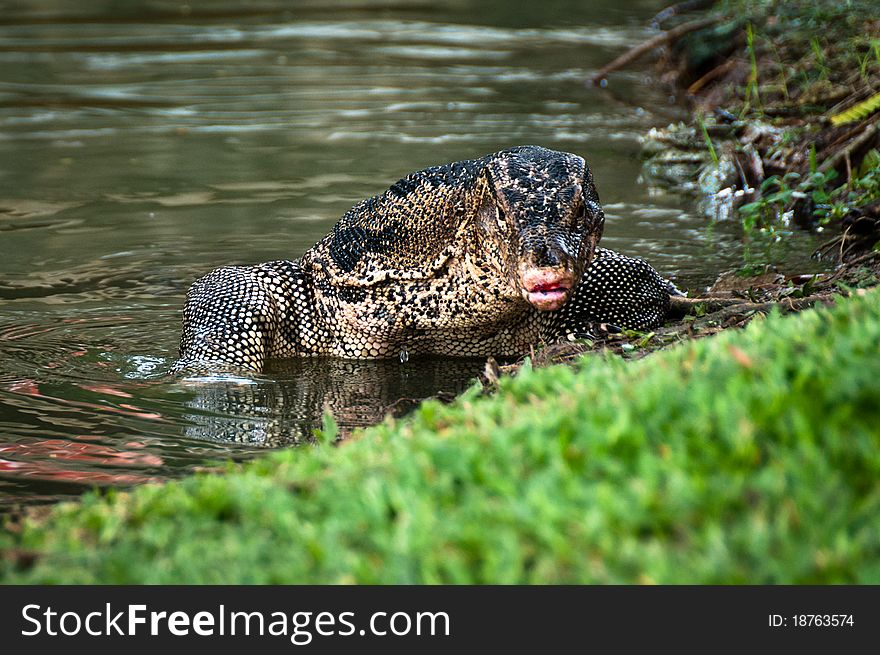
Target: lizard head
[(548, 216)]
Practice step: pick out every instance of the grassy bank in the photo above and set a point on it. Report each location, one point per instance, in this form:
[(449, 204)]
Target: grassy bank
[(752, 457)]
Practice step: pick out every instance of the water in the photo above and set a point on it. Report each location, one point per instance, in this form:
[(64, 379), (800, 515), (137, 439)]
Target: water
[(144, 143)]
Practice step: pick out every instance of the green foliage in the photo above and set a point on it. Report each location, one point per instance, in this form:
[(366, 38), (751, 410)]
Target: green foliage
[(776, 194), (869, 60), (820, 57), (329, 428), (708, 140), (830, 203), (863, 188), (751, 457), (753, 87), (858, 112), (866, 184), (772, 212)]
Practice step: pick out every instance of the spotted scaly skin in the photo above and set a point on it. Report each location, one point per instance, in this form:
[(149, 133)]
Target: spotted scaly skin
[(475, 258)]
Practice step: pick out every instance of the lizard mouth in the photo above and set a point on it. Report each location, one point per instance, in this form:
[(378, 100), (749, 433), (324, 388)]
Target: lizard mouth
[(546, 289), (548, 299)]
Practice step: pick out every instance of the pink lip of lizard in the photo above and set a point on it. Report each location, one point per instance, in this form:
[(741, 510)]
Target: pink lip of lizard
[(548, 300), (546, 289)]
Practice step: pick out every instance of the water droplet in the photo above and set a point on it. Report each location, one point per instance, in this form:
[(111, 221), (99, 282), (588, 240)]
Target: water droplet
[(404, 356)]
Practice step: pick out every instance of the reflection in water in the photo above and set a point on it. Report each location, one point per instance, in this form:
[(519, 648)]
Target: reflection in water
[(286, 409), (51, 459)]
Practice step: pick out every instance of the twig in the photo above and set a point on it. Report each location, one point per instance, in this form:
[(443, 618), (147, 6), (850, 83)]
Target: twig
[(856, 242), (863, 258), (849, 180), (861, 140), (843, 242), (786, 305), (824, 248), (661, 39), (845, 268), (712, 75), (846, 136), (679, 8), (679, 306)]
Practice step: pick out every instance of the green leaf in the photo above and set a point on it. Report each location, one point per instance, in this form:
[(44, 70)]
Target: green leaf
[(329, 428), (858, 111)]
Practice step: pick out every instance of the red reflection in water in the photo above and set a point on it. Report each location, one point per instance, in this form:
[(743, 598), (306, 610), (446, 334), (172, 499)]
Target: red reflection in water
[(51, 471), (24, 330), (26, 387), (29, 387), (79, 451), (53, 459), (105, 388)]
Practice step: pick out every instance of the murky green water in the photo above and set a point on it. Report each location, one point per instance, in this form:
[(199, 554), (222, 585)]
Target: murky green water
[(144, 143)]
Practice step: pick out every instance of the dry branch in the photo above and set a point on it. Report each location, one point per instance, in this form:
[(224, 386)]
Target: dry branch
[(862, 140), (661, 39), (680, 8)]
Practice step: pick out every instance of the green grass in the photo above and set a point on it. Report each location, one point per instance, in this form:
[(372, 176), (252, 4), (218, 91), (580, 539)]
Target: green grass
[(750, 457)]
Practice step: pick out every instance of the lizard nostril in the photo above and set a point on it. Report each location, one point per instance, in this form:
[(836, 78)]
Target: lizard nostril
[(545, 256)]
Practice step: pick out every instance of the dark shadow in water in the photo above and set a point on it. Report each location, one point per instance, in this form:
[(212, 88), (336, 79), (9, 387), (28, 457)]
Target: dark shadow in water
[(286, 409)]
